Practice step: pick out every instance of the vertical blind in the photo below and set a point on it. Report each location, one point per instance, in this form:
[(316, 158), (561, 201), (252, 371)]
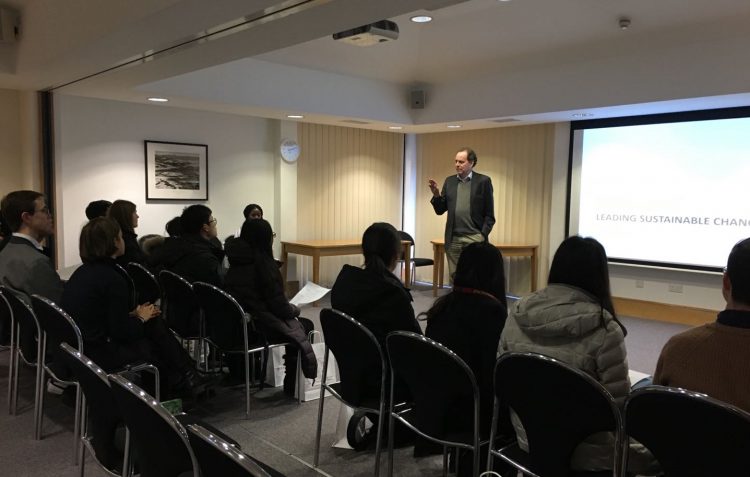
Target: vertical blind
[(347, 179)]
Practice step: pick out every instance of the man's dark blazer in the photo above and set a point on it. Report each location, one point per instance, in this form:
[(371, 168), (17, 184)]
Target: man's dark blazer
[(482, 204)]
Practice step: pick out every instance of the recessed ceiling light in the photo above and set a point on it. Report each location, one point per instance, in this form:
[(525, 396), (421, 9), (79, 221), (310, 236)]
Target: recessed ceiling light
[(453, 126), (294, 116), (582, 115), (158, 100), (504, 1), (395, 128), (421, 19)]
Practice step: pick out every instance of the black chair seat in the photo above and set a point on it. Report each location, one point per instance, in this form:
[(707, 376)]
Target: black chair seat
[(147, 288), (423, 262), (437, 378), (690, 434), (359, 356), (218, 457), (555, 422)]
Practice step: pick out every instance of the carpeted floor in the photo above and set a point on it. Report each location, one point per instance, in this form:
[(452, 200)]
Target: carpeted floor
[(280, 432)]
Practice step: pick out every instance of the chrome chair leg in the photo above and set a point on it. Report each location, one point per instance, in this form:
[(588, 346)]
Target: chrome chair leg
[(321, 402), (247, 384), (13, 370), (445, 461), (81, 450), (379, 437), (126, 461), (77, 423), (297, 375), (40, 385)]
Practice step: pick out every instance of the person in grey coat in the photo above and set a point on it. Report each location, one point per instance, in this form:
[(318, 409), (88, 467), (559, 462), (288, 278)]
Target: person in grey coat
[(573, 320), (24, 268)]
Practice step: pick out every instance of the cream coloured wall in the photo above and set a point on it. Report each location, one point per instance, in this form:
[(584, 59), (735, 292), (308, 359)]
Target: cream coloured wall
[(100, 155), (347, 179), (11, 163)]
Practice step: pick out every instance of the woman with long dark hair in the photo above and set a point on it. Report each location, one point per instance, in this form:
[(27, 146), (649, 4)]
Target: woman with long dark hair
[(125, 214), (470, 318), (573, 320), (255, 281), (373, 295)]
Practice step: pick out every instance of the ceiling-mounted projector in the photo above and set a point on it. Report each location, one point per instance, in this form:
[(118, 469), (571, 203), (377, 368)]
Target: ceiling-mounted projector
[(367, 35)]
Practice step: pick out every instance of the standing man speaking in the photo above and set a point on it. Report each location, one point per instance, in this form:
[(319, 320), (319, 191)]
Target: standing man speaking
[(467, 197)]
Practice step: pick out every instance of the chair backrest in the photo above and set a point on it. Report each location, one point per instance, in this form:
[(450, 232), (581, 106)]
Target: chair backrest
[(180, 306), (224, 317), (25, 319), (103, 413), (404, 236), (690, 434), (146, 287), (437, 378), (558, 406), (358, 354), (58, 325), (6, 319), (160, 440), (218, 458)]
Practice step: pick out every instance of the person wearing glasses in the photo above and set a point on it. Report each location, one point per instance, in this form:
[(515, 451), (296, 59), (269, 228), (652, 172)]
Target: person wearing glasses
[(194, 255), (24, 267)]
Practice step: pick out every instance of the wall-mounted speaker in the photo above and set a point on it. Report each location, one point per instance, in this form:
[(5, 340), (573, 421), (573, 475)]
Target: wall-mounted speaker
[(416, 98)]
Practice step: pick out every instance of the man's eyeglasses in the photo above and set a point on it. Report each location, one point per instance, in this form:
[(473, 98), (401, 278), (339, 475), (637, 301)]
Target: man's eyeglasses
[(44, 210), (212, 222)]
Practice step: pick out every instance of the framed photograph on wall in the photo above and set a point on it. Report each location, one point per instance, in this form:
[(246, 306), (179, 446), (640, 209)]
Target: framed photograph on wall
[(176, 171)]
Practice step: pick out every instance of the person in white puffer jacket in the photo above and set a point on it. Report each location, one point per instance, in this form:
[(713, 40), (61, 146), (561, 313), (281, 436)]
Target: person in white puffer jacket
[(573, 320)]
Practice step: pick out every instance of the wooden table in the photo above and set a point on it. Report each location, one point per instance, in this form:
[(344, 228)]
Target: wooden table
[(331, 248), (438, 248)]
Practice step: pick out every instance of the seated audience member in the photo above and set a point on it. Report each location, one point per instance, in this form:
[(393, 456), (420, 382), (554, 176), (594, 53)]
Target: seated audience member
[(192, 254), (710, 358), (174, 227), (374, 296), (469, 320), (124, 213), (24, 267), (97, 208), (253, 211), (152, 244), (573, 320), (97, 297), (254, 280)]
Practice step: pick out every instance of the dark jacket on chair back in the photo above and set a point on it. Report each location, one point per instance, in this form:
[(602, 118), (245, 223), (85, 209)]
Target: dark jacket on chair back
[(382, 304), (192, 257)]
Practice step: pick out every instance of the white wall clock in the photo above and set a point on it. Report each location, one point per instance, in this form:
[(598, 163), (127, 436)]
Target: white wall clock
[(289, 149)]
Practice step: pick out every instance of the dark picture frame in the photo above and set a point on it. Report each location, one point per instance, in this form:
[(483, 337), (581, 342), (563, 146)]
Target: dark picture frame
[(176, 170)]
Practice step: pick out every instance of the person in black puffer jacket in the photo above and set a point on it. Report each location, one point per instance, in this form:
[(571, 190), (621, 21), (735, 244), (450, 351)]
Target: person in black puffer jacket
[(375, 297), (255, 281)]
